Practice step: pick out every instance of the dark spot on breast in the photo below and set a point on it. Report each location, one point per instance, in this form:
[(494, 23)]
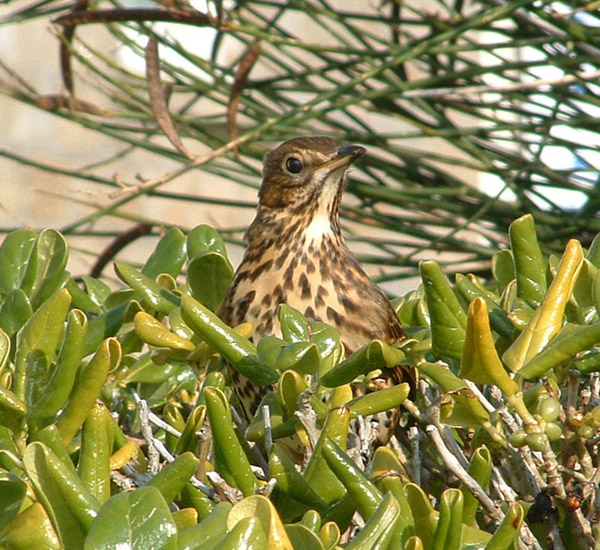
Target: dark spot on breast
[(282, 258), (309, 312), (347, 303), (334, 316), (239, 314), (304, 286), (288, 283), (258, 270), (255, 311), (340, 285), (322, 293), (324, 269), (310, 267), (267, 299), (266, 316), (242, 274)]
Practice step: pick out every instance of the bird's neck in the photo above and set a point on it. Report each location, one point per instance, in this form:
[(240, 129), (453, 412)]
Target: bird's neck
[(305, 228)]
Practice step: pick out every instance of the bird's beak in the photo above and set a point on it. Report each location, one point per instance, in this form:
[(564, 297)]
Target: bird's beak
[(345, 156)]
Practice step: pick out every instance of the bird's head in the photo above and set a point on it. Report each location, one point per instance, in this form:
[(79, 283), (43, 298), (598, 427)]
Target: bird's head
[(306, 173)]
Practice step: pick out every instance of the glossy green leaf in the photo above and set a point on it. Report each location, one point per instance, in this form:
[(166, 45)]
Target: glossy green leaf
[(204, 238), (583, 294), (423, 513), (480, 469), (379, 530), (12, 409), (508, 531), (374, 355), (379, 401), (97, 290), (311, 520), (12, 494), (571, 340), (388, 475), (330, 535), (45, 271), (448, 319), (363, 491), (168, 256), (31, 529), (530, 268), (88, 387), (209, 276), (441, 375), (248, 533), (57, 389), (290, 481), (291, 385), (209, 532), (228, 451), (188, 441), (302, 537), (277, 354), (4, 349), (461, 409), (51, 438), (480, 362), (318, 474), (259, 507), (173, 476), (154, 333), (414, 543), (214, 332), (15, 311), (42, 332), (94, 455), (14, 256), (36, 380), (499, 320), (107, 324), (295, 327), (548, 317), (157, 296), (137, 520), (448, 531), (503, 269), (70, 505)]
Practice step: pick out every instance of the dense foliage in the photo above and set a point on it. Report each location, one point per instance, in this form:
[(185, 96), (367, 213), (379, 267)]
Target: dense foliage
[(116, 424)]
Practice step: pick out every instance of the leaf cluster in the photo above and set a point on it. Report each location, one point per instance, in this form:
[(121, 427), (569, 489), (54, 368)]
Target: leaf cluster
[(118, 423)]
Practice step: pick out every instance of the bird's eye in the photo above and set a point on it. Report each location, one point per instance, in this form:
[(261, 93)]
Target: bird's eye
[(293, 165)]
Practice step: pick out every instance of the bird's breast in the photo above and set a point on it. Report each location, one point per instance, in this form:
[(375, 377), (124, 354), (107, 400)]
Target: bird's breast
[(315, 274)]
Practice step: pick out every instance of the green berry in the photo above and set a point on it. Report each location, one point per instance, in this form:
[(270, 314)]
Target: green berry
[(536, 441), (553, 431), (517, 439), (549, 409), (586, 431)]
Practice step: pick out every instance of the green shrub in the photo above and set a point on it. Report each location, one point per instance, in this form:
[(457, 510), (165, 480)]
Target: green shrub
[(116, 427)]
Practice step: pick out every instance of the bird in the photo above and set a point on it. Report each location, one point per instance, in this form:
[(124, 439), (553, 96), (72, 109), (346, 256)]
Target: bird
[(296, 255)]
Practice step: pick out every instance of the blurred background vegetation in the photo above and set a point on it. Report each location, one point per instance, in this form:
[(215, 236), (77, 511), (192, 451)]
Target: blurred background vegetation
[(473, 113)]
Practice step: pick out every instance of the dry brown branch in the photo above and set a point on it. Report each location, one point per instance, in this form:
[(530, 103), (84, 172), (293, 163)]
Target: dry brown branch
[(158, 97), (239, 83)]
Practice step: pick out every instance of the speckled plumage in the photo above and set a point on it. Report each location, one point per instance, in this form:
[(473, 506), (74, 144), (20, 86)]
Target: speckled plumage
[(297, 254)]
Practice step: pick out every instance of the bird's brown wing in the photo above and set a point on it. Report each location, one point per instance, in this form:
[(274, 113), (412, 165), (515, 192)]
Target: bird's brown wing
[(395, 331)]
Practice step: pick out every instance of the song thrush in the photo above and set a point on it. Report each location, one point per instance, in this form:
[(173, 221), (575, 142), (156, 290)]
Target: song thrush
[(297, 255)]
